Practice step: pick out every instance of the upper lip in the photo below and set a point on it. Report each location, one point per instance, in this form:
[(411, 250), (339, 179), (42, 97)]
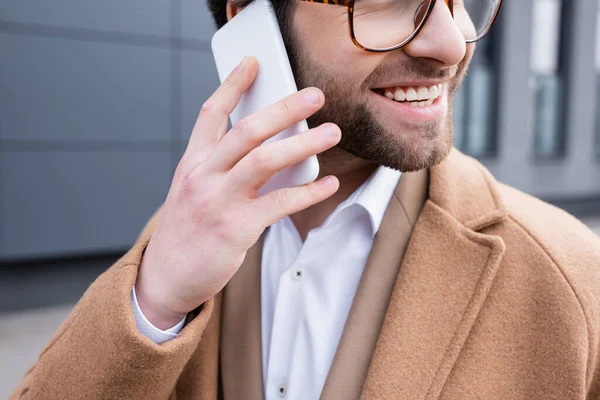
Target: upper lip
[(415, 83)]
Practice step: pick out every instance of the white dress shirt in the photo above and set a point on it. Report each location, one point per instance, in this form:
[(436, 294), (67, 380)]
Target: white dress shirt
[(307, 289)]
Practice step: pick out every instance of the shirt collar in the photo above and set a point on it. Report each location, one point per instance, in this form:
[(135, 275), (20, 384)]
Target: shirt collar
[(375, 194)]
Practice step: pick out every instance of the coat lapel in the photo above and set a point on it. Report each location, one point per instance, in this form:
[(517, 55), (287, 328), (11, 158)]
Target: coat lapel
[(445, 276), (241, 357), (357, 343)]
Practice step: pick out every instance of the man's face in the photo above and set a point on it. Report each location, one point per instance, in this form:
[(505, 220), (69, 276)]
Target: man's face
[(375, 128)]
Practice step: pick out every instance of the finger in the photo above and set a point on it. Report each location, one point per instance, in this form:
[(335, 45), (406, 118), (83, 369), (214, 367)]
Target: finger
[(211, 124), (253, 130), (275, 205), (254, 170)]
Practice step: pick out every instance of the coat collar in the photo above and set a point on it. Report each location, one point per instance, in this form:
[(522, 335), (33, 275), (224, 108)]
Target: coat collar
[(445, 277), (465, 189)]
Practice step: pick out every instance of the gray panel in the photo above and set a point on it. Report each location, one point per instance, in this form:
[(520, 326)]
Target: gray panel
[(199, 80), (56, 203), (516, 100), (135, 16), (196, 20), (57, 89), (577, 175)]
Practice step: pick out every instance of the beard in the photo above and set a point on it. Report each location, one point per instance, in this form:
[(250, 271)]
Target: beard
[(402, 148)]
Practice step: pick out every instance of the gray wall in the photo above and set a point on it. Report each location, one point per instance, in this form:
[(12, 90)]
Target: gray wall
[(97, 101), (577, 172)]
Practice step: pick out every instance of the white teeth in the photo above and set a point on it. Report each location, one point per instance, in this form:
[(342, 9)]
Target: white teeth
[(411, 94), (422, 93), (421, 96), (399, 95), (433, 92)]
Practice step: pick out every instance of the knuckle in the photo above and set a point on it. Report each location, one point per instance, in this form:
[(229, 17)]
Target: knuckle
[(250, 132), (205, 208), (188, 165), (221, 227), (232, 86), (308, 192), (207, 107), (286, 107), (187, 186), (226, 225), (230, 81), (282, 198), (244, 127), (262, 160), (181, 170)]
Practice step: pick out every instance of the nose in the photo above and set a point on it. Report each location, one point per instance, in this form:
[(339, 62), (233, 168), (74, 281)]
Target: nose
[(440, 39)]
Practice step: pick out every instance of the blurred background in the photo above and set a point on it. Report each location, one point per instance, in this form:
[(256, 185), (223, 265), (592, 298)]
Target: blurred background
[(98, 99)]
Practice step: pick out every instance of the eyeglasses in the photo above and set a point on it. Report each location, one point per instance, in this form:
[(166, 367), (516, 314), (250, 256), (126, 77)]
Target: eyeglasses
[(386, 25)]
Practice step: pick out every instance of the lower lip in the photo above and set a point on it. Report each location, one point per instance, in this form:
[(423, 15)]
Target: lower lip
[(433, 112)]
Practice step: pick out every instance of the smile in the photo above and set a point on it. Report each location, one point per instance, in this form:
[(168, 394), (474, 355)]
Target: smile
[(413, 103), (415, 96)]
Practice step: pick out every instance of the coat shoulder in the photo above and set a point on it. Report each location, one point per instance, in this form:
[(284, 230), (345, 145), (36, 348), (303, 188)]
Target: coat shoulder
[(575, 251), (569, 243)]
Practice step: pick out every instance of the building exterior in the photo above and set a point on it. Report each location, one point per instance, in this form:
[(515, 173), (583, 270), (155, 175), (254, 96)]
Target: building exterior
[(97, 101), (530, 104)]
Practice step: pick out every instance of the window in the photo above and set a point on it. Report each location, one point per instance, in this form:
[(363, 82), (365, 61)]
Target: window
[(474, 104), (547, 77)]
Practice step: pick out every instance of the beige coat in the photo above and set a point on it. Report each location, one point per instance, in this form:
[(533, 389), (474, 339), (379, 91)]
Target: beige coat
[(493, 295)]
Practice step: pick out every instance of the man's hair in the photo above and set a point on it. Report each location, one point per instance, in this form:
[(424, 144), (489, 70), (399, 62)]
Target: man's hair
[(218, 8)]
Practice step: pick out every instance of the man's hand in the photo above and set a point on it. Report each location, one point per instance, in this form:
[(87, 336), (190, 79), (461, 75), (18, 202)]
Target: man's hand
[(213, 212)]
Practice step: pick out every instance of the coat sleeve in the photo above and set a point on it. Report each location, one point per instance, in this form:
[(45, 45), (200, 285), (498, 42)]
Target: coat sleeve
[(98, 352)]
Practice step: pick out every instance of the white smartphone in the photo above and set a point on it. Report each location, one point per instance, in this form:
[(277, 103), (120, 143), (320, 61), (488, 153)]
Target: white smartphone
[(254, 31)]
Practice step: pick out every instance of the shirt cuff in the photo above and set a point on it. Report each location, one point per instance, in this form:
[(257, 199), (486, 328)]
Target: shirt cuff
[(147, 329)]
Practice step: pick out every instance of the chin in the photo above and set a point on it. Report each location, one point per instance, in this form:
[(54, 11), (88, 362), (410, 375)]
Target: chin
[(423, 151), (403, 146), (403, 151)]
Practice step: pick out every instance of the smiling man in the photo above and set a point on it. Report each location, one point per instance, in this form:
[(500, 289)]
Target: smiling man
[(405, 272)]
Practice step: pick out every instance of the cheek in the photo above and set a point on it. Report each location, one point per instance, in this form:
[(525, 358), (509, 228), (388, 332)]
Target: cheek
[(322, 34), (322, 30)]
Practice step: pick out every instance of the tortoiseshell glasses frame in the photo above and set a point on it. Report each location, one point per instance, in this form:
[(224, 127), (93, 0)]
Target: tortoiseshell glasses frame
[(426, 7)]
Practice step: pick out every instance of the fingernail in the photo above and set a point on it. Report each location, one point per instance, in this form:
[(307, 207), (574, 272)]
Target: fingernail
[(312, 96), (329, 180), (332, 131), (243, 63)]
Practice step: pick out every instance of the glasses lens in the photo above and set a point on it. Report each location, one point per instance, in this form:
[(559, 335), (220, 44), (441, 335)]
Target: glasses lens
[(381, 24), (474, 17)]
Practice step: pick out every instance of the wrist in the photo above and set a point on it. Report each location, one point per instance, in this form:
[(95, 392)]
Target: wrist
[(158, 315), (155, 309)]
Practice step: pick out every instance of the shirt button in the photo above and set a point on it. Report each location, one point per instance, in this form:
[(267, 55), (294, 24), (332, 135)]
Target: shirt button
[(281, 390), (297, 272)]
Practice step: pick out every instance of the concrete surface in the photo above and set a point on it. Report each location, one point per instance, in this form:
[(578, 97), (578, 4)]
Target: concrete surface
[(24, 334)]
